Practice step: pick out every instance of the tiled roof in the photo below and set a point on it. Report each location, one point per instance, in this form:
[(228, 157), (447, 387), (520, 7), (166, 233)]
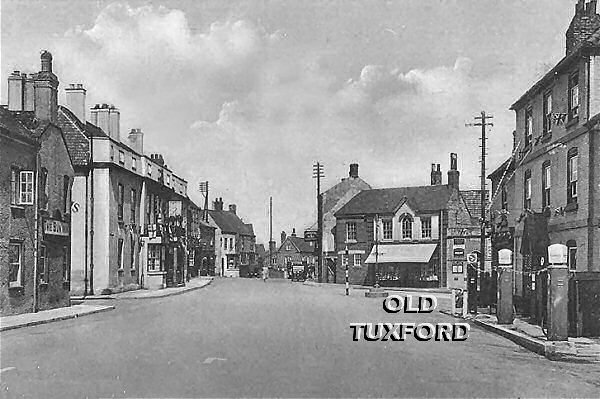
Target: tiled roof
[(299, 243), (229, 222), (12, 126), (388, 200), (472, 199), (249, 229), (332, 196), (77, 143)]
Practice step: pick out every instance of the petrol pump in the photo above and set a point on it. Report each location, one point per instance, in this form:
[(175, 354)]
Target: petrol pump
[(505, 287), (558, 275)]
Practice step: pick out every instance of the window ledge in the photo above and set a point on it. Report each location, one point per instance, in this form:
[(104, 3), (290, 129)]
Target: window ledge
[(572, 207), (15, 206), (16, 290)]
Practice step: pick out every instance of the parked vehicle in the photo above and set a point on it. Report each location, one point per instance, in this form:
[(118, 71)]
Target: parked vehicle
[(298, 272)]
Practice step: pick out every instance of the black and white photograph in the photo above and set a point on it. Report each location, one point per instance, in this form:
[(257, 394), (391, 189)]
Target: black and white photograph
[(299, 199)]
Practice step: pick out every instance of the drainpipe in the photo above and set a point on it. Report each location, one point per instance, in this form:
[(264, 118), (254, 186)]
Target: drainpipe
[(91, 276), (36, 229), (85, 261)]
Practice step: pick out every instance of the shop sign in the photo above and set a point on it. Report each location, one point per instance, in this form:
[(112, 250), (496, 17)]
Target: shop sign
[(56, 228)]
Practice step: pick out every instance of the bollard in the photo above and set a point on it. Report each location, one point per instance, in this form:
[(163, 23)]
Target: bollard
[(558, 293), (505, 287)]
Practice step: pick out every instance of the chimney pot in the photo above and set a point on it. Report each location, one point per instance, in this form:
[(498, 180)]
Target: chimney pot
[(233, 209), (453, 173), (353, 170), (45, 90), (16, 91), (75, 96)]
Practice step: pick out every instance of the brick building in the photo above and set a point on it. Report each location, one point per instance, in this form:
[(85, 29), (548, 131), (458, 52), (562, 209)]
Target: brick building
[(201, 242), (35, 196), (295, 249), (415, 236), (549, 189)]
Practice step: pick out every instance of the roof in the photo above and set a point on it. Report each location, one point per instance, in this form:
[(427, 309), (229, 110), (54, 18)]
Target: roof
[(388, 200), (73, 131), (472, 199), (260, 249), (249, 229), (509, 165), (299, 243), (333, 195), (592, 41), (230, 223), (11, 125)]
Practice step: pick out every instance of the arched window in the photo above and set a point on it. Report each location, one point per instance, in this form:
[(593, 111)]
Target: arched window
[(572, 254), (572, 160), (406, 223)]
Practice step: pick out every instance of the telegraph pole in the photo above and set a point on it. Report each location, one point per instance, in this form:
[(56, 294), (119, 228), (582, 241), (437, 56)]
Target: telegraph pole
[(271, 246), (318, 173), (203, 187), (483, 122)]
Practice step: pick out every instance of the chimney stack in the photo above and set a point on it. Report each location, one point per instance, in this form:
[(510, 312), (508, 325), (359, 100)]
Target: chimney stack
[(46, 90), (353, 170), (136, 140), (16, 91), (294, 232), (114, 123), (283, 236), (218, 204), (436, 174), (584, 23), (233, 209), (28, 93), (453, 173), (75, 96)]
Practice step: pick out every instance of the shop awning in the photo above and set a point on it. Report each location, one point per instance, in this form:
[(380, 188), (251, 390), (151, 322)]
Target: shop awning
[(402, 253)]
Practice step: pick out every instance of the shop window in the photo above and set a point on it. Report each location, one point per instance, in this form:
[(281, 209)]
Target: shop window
[(572, 160), (15, 264), (154, 258)]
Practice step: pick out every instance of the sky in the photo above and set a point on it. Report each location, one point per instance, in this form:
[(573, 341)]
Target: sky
[(249, 94)]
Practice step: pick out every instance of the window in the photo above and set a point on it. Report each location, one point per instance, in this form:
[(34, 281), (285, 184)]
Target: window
[(231, 243), (112, 153), (66, 194), (121, 157), (572, 159), (357, 259), (132, 215), (425, 227), (168, 180), (43, 265), (387, 229), (43, 198), (26, 187), (351, 231), (14, 186), (134, 163), (527, 190), (225, 243), (288, 247), (132, 255), (572, 254), (546, 183), (504, 197), (457, 267), (574, 96), (15, 264), (406, 228), (344, 260), (149, 169), (548, 112), (65, 264), (154, 259), (528, 127), (120, 253), (121, 195)]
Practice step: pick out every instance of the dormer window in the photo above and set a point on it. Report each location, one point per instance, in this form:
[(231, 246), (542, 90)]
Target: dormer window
[(528, 126), (574, 96), (406, 224)]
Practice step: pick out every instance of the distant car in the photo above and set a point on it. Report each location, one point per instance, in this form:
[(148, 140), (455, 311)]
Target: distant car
[(298, 272)]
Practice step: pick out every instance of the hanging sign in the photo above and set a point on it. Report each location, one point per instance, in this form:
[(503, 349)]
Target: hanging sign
[(56, 228)]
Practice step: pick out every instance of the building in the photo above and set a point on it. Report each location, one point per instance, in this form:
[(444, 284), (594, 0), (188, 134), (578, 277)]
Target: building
[(234, 242), (550, 191), (333, 200), (132, 207), (413, 236), (36, 176), (201, 242), (294, 249)]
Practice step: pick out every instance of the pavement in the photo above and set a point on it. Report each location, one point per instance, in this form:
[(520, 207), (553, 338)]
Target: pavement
[(47, 316), (248, 338)]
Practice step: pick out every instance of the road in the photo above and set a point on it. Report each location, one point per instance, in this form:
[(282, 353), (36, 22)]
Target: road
[(276, 339)]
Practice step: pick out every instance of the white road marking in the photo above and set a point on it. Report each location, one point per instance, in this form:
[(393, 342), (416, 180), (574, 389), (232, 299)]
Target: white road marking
[(7, 369), (209, 360)]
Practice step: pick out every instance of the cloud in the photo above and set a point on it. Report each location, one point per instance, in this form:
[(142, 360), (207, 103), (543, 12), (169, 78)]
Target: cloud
[(250, 110)]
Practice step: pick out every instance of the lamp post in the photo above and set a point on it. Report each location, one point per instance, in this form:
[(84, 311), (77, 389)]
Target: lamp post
[(376, 291)]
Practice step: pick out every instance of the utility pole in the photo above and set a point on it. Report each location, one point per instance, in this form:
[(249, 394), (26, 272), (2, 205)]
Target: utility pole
[(271, 246), (483, 122), (318, 173)]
